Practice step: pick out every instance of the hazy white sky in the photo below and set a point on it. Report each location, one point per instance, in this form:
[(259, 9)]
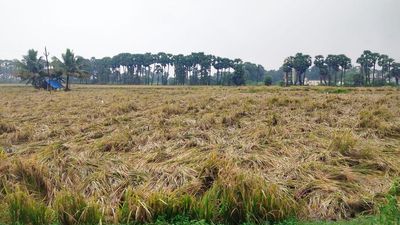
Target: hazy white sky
[(260, 31)]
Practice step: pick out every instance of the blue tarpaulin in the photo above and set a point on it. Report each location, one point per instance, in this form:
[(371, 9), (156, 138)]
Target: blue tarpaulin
[(55, 84)]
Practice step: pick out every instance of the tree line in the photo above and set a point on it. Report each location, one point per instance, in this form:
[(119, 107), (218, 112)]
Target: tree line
[(137, 69), (372, 69), (332, 70)]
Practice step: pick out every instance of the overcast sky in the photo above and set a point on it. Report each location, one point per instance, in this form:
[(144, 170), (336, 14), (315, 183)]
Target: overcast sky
[(260, 31)]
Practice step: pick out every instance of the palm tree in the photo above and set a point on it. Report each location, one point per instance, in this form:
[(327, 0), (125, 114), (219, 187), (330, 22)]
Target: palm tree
[(333, 67), (366, 60), (345, 64), (148, 60), (70, 65), (287, 68), (319, 62), (374, 57), (395, 72), (385, 63), (180, 70), (31, 69), (301, 63), (217, 64)]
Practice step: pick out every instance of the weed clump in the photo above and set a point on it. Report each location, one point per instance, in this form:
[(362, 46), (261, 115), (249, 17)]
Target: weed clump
[(233, 119), (72, 209), (343, 142), (123, 108), (171, 110), (119, 142), (336, 91), (2, 153), (379, 120), (243, 198), (21, 136), (34, 178), (395, 189), (23, 209), (138, 207), (207, 121), (6, 128)]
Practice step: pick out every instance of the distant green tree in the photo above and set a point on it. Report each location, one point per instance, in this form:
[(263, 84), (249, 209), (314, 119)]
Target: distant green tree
[(70, 66), (7, 71), (395, 72), (367, 63), (253, 73), (319, 62), (205, 63), (287, 68), (345, 64), (238, 75), (276, 76), (268, 80), (164, 60), (301, 63), (180, 70), (385, 62), (333, 68), (31, 69)]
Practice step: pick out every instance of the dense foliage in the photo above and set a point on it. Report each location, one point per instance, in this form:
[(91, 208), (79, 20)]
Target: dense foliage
[(334, 70), (372, 69)]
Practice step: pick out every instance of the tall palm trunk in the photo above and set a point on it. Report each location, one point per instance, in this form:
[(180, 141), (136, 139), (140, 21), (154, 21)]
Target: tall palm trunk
[(341, 78), (329, 78), (335, 77), (286, 79), (373, 75), (166, 80), (67, 84), (320, 78)]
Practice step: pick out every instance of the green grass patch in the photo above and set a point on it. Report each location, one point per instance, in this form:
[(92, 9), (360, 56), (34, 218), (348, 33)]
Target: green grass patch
[(23, 209), (335, 91)]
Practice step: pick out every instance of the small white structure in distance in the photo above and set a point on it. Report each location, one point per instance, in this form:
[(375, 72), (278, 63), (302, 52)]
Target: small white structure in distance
[(312, 82)]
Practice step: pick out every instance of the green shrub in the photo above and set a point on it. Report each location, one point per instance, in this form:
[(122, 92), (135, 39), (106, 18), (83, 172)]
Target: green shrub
[(245, 198), (343, 142), (139, 207), (23, 209), (268, 81), (395, 189), (390, 213), (336, 91), (33, 176), (72, 209)]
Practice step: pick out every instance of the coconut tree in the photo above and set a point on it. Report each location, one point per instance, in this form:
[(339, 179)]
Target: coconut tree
[(31, 69), (70, 66)]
